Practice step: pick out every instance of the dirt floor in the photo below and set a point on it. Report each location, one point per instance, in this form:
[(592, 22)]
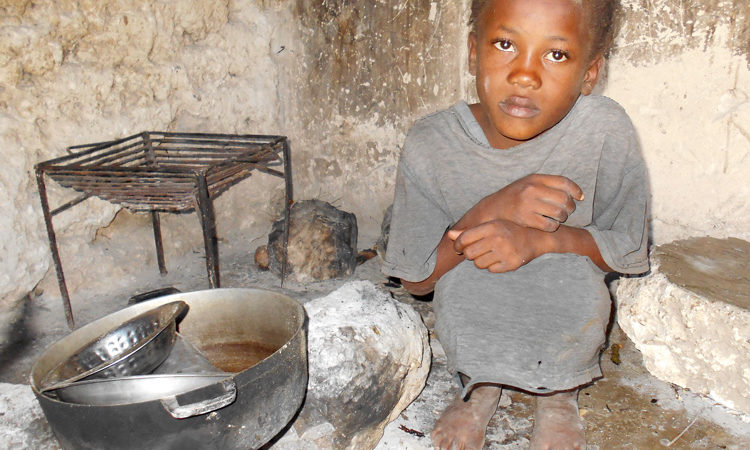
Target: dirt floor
[(627, 409)]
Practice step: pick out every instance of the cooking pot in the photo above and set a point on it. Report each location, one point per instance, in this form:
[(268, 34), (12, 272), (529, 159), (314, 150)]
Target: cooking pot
[(258, 336)]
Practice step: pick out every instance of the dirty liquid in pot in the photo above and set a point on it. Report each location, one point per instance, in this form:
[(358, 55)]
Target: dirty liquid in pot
[(237, 356)]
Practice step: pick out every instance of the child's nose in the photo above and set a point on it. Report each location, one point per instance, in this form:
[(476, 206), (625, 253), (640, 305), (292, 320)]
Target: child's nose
[(525, 73)]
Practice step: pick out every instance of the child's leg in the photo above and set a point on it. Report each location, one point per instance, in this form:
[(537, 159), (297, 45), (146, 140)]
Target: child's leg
[(463, 424), (557, 424)]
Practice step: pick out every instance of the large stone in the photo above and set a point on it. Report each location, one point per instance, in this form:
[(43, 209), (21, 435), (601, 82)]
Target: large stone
[(690, 317), (369, 357), (322, 242)]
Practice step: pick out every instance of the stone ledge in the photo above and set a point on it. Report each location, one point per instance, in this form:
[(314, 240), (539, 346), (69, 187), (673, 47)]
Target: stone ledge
[(689, 317)]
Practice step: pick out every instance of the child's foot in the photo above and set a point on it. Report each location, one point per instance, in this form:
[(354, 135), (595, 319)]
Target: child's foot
[(557, 424), (463, 424)]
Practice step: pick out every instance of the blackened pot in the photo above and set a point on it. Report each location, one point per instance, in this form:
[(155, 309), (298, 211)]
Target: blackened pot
[(233, 328)]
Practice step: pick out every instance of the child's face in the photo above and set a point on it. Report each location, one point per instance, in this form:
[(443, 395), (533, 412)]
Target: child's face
[(531, 60)]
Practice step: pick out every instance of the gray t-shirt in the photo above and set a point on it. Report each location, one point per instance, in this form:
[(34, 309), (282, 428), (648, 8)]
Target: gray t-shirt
[(541, 327)]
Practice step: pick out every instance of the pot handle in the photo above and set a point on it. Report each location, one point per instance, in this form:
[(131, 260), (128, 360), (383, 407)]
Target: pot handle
[(153, 294), (201, 401)]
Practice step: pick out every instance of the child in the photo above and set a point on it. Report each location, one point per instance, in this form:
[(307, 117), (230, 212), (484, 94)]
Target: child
[(513, 210)]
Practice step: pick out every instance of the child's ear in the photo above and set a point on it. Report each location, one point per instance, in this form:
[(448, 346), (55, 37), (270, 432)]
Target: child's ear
[(592, 74), (472, 43)]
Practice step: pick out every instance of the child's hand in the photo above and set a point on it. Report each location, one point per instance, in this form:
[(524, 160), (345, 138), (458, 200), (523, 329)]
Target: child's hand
[(498, 245), (536, 201)]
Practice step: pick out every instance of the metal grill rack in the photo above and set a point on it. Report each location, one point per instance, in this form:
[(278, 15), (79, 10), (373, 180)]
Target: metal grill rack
[(164, 172)]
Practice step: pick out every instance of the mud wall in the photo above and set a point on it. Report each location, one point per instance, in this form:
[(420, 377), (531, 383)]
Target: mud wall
[(74, 72), (368, 70), (344, 80), (681, 69)]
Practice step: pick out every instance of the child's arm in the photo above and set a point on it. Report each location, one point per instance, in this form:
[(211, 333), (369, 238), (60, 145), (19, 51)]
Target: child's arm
[(502, 246), (447, 258), (537, 201)]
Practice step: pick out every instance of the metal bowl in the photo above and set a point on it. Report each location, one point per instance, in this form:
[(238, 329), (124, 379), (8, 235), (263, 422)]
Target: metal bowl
[(134, 347), (135, 389)]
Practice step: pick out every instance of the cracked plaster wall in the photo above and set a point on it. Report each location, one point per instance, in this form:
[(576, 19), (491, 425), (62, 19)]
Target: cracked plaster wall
[(344, 80), (682, 71)]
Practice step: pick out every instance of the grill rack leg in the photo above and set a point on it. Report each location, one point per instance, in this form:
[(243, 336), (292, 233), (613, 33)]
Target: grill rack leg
[(288, 190), (158, 242), (205, 210), (54, 250)]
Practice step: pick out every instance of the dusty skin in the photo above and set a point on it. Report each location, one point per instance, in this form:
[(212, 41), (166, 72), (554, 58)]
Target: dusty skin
[(463, 424), (557, 424)]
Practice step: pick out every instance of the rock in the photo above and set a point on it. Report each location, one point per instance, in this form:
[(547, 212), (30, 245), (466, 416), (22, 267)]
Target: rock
[(690, 317), (322, 242), (369, 357), (261, 257)]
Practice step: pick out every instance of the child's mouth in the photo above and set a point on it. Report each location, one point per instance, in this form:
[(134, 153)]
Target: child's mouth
[(520, 107)]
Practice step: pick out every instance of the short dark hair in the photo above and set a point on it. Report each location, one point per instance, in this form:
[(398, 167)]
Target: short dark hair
[(602, 15)]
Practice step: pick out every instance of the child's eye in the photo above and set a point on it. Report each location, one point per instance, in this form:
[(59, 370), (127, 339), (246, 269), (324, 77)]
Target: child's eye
[(504, 45), (556, 56)]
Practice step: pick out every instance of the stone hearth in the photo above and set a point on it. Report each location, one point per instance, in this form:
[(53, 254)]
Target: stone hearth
[(690, 318)]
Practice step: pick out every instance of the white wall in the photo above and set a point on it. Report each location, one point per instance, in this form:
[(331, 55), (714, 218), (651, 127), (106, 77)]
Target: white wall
[(682, 71)]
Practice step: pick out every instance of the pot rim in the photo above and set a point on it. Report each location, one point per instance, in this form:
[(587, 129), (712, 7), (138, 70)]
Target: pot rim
[(37, 373)]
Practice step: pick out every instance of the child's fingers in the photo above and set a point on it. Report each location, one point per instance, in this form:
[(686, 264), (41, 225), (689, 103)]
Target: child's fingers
[(557, 198), (552, 205), (546, 223), (564, 184), (454, 234), (487, 259), (498, 267), (472, 243), (462, 238)]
